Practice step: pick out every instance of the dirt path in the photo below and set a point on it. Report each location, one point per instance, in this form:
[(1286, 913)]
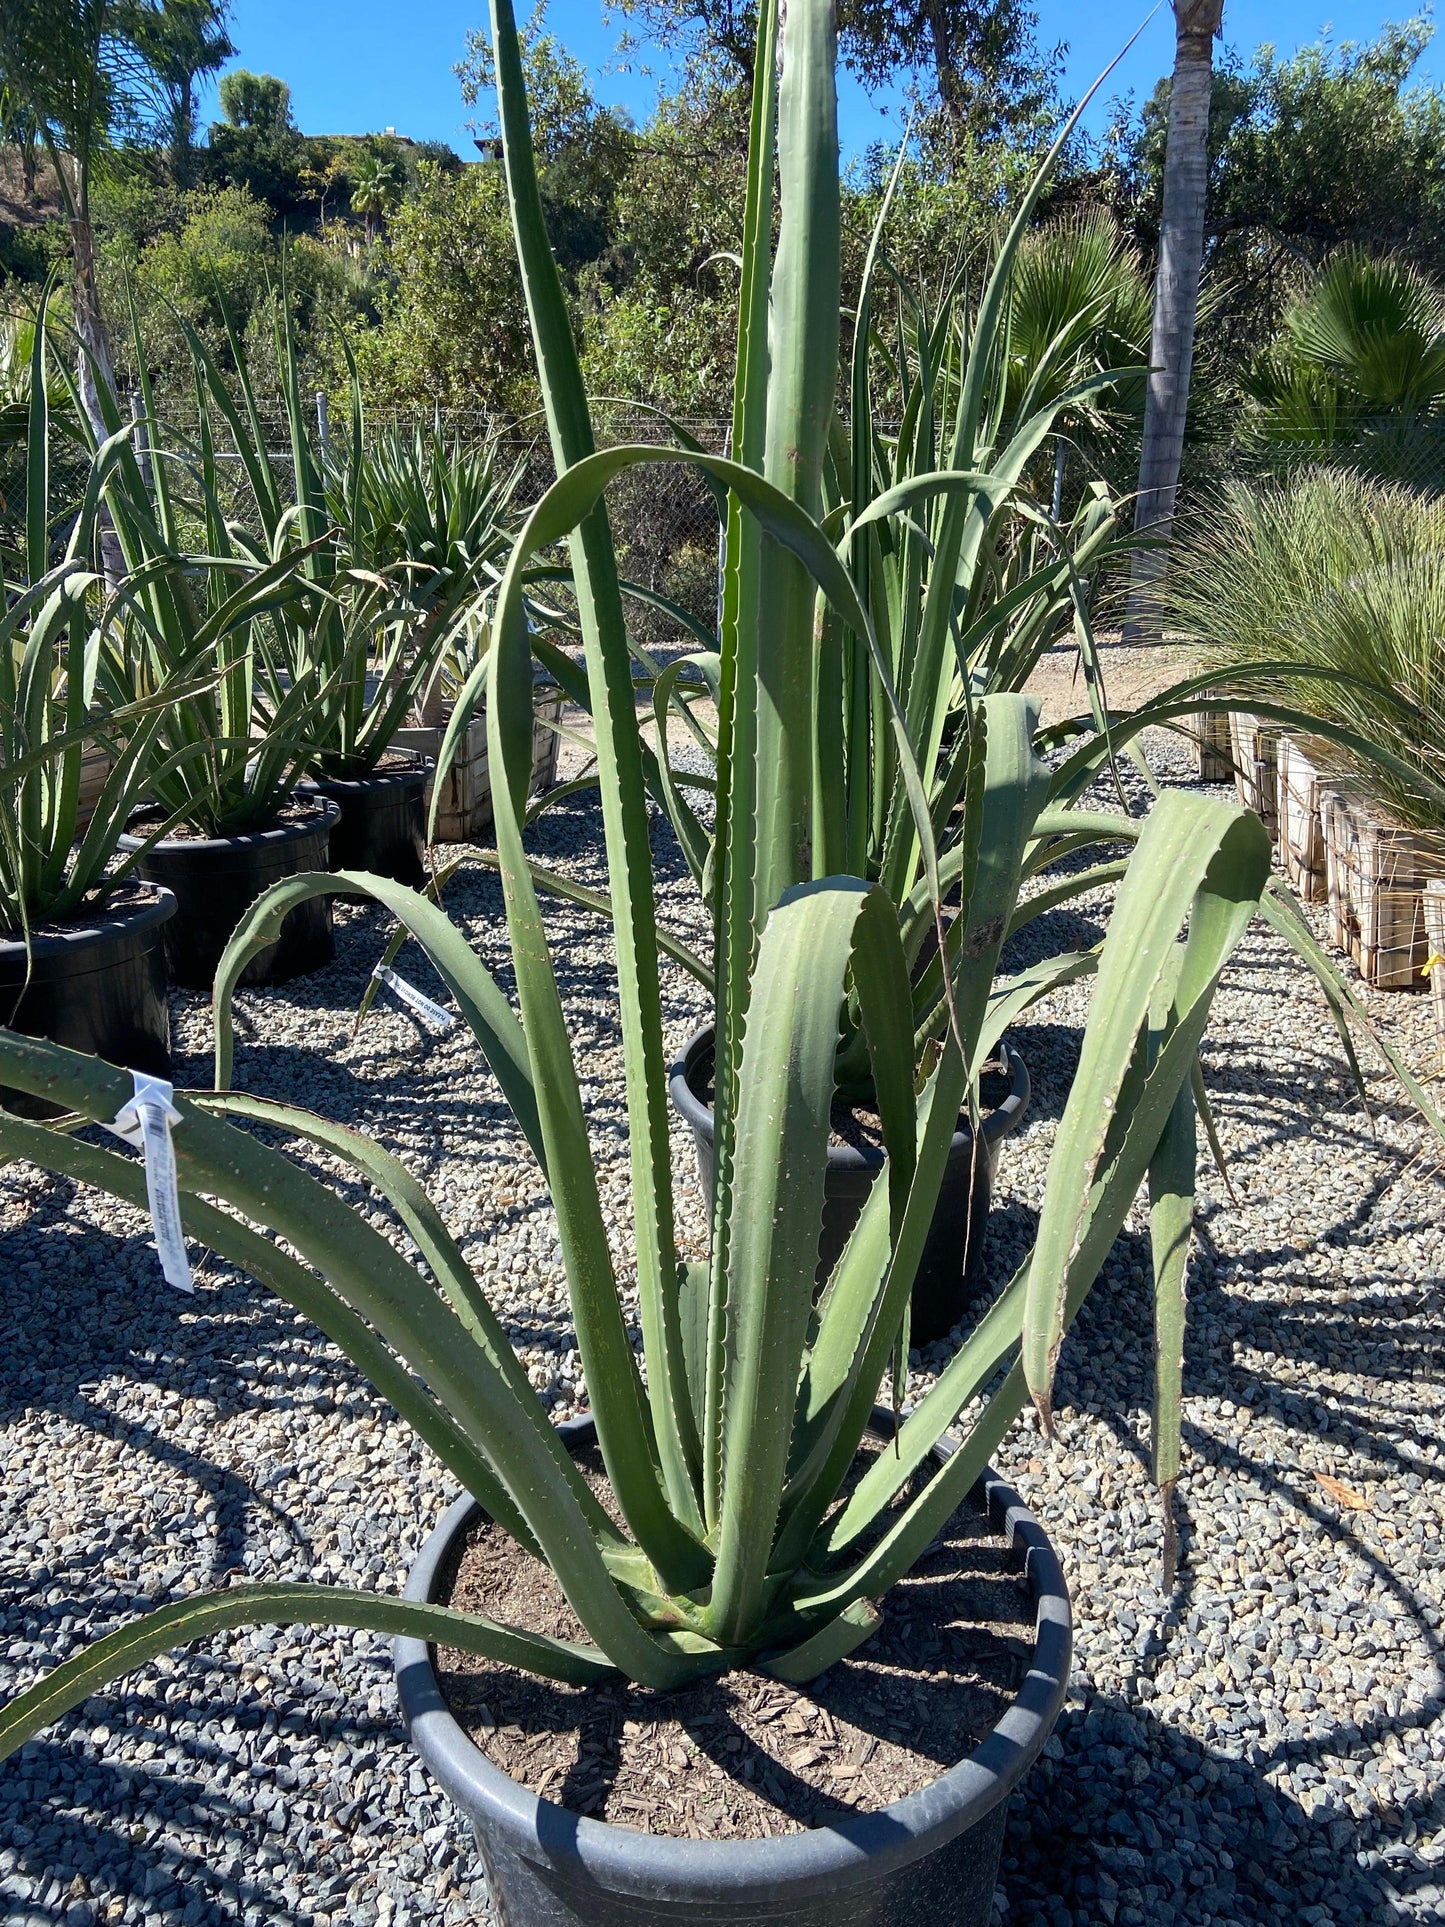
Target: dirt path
[(1132, 673)]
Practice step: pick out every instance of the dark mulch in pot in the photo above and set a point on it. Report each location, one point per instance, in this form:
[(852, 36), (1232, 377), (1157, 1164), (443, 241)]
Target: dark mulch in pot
[(293, 810), (130, 895), (745, 1756)]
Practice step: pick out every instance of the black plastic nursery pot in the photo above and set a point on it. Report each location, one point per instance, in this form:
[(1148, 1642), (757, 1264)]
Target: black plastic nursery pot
[(929, 1860), (96, 984), (382, 826), (952, 1254), (215, 880)]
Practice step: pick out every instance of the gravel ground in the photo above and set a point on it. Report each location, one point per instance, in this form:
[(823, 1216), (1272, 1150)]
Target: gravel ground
[(1265, 1745)]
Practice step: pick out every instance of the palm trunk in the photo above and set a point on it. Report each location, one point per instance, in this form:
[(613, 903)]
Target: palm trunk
[(95, 366), (1176, 299), (183, 129)]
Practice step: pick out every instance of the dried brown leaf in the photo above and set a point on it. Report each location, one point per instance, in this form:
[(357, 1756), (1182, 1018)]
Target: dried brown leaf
[(1342, 1494)]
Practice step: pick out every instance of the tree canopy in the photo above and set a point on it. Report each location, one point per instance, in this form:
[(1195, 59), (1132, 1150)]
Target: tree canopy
[(1332, 147), (973, 67)]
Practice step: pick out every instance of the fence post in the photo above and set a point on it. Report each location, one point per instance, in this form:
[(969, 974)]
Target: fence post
[(142, 437)]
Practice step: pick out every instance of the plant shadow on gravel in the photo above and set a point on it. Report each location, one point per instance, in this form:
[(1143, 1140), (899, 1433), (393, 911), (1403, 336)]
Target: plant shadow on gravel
[(1127, 1819), (132, 1821), (104, 1313)]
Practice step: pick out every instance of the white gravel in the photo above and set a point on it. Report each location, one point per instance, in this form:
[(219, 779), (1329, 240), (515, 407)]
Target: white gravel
[(1264, 1746)]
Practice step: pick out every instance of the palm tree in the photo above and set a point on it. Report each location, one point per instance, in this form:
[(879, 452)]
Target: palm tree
[(1176, 295), (377, 187), (1356, 375), (1078, 304), (77, 68), (185, 41)]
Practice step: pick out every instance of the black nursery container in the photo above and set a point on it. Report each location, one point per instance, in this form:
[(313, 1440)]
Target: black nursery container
[(382, 827), (949, 1267), (97, 984), (215, 881), (929, 1860)]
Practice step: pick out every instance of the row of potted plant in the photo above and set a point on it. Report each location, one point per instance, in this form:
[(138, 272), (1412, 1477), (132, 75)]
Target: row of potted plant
[(877, 787), (242, 670)]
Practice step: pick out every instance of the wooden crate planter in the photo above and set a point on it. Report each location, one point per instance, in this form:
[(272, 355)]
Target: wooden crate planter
[(1376, 876), (1299, 775), (95, 766), (1209, 740), (1253, 751), (466, 806), (1434, 905)]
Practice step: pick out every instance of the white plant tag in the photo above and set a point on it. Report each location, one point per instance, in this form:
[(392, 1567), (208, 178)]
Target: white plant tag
[(146, 1123), (429, 1012)]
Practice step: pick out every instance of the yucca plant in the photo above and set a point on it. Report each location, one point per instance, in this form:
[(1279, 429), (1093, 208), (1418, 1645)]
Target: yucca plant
[(432, 512), (56, 856), (727, 1449)]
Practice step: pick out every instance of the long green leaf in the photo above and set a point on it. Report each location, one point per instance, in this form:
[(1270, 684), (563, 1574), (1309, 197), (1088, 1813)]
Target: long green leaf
[(364, 1268), (488, 1015), (1171, 1223), (667, 1444), (817, 934), (1204, 854), (201, 1615)]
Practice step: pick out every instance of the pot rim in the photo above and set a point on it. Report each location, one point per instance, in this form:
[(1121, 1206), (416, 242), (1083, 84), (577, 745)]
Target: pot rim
[(869, 1846), (997, 1123), (97, 925), (320, 807), (418, 770)]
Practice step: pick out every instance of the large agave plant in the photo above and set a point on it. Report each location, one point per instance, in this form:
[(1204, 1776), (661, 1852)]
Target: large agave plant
[(946, 582), (728, 1446), (58, 616)]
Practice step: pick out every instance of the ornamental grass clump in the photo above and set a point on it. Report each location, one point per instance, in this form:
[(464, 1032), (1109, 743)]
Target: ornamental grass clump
[(1341, 580), (729, 1443)]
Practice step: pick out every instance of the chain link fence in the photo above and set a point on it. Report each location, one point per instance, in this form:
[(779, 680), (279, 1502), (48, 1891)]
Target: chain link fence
[(665, 516)]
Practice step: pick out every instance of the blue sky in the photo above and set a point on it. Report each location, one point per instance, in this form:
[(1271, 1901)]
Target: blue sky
[(367, 64)]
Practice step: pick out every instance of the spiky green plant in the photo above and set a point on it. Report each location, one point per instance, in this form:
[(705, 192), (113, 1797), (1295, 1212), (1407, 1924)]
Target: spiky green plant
[(728, 1453), (353, 634), (224, 760), (433, 513), (55, 617), (967, 580)]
